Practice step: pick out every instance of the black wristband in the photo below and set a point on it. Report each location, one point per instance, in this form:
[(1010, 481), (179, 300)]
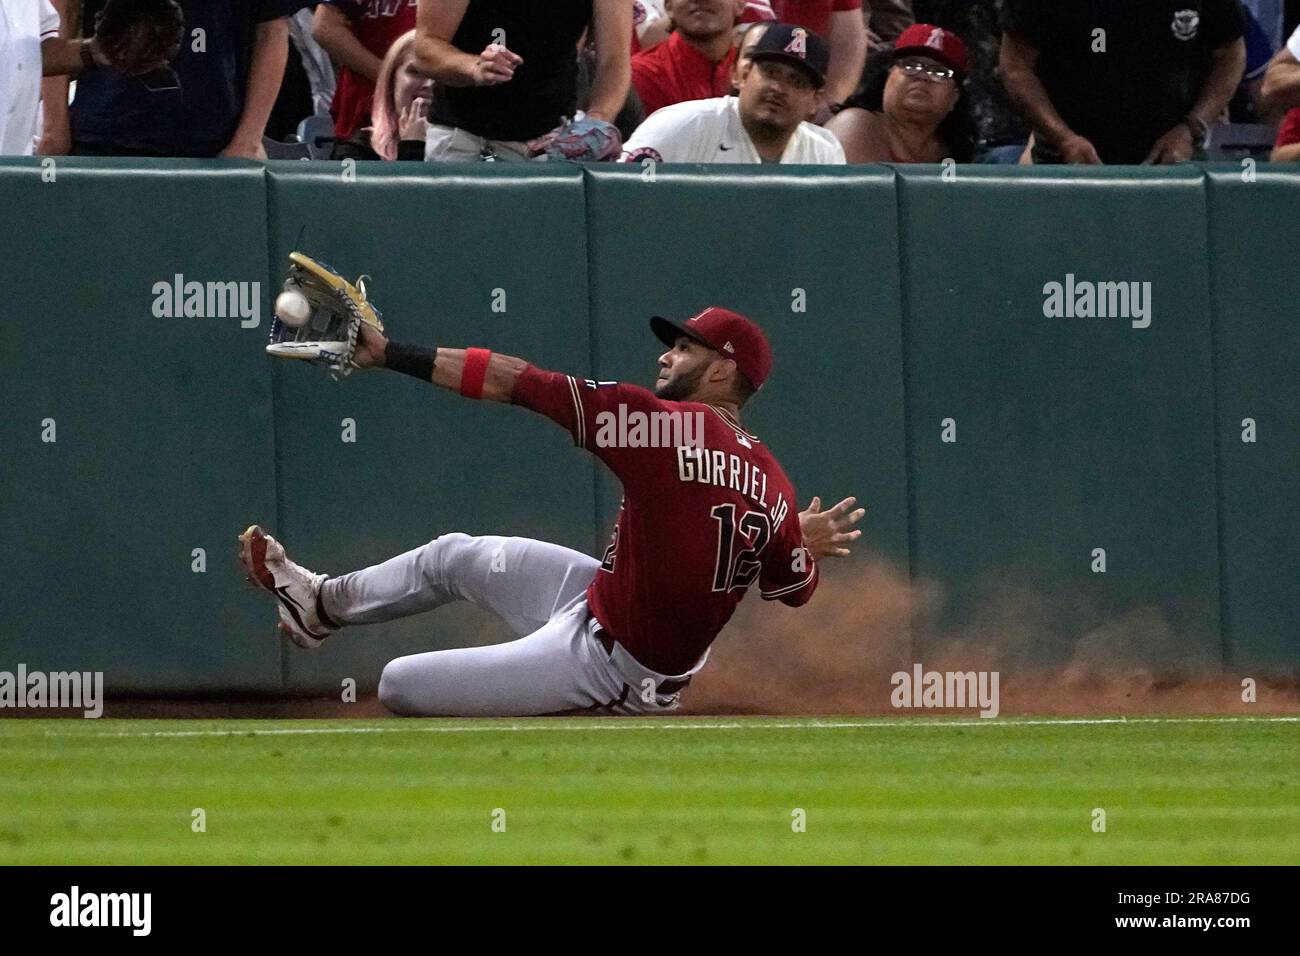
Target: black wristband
[(410, 360)]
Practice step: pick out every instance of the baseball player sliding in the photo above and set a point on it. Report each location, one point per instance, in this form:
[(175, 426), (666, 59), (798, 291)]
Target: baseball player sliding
[(703, 518)]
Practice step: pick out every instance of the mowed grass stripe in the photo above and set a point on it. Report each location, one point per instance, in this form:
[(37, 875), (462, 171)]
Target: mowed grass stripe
[(1174, 791)]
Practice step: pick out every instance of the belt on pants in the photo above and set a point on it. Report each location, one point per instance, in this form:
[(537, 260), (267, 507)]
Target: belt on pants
[(665, 687)]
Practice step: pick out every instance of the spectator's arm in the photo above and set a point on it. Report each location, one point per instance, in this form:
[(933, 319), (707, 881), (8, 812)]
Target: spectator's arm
[(1018, 64), (1281, 89), (855, 129), (656, 32), (56, 134), (265, 73), (1289, 153), (332, 29), (848, 43), (611, 28), (1227, 67), (436, 23)]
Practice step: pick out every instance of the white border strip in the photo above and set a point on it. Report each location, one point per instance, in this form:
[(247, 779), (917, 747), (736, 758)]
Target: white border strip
[(660, 723)]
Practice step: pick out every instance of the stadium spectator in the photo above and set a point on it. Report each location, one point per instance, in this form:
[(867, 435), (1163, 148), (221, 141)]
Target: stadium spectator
[(913, 108), (357, 34), (1000, 131), (491, 100), (1281, 89), (399, 114), (695, 63), (1287, 147), (1121, 82), (764, 124), (227, 78), (843, 26), (753, 32), (25, 26), (886, 20)]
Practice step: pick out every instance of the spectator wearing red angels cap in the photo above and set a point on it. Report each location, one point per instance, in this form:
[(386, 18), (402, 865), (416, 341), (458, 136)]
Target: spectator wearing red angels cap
[(695, 62), (914, 109), (356, 34)]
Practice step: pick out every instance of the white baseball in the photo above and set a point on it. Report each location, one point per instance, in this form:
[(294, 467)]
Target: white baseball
[(292, 308)]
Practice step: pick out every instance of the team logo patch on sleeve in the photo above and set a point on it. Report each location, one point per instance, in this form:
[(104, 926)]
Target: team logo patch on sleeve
[(644, 152)]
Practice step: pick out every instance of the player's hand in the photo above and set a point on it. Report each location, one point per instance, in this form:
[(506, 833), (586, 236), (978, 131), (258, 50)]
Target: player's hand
[(495, 65), (1176, 146), (371, 344), (826, 533), (1078, 150)]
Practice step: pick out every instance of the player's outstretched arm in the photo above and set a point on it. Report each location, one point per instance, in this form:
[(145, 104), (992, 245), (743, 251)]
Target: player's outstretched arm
[(826, 533), (444, 367)]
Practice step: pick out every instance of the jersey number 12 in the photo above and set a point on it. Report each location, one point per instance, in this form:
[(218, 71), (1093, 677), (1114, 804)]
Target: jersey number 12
[(737, 569)]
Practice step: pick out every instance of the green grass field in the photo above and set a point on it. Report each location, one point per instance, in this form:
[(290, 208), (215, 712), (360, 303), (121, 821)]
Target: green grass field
[(664, 790)]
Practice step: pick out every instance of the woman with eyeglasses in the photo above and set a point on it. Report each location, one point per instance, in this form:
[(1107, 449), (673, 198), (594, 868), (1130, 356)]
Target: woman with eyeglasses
[(914, 109)]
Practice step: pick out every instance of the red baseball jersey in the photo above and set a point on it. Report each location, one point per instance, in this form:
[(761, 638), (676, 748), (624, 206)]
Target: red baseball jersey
[(707, 512)]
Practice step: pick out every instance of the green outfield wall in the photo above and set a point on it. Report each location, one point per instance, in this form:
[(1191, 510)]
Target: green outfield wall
[(1008, 444)]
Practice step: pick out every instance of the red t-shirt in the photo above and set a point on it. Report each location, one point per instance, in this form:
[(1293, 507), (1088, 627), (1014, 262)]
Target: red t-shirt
[(702, 518), (1289, 131), (377, 25), (813, 14), (674, 71)]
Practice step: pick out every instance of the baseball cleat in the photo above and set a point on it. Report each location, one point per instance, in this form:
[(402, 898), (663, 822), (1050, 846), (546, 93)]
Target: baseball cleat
[(294, 587)]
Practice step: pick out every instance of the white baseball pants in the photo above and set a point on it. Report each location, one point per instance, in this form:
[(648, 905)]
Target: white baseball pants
[(539, 590)]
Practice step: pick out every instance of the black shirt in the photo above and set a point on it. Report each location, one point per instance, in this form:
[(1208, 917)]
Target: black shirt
[(114, 113), (1157, 55), (544, 88)]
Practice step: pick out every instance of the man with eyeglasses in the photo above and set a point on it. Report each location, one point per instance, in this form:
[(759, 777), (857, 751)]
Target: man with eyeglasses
[(915, 111), (1121, 81), (765, 123)]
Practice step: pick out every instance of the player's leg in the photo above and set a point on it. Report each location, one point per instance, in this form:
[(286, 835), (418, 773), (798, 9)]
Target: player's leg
[(556, 669), (523, 581)]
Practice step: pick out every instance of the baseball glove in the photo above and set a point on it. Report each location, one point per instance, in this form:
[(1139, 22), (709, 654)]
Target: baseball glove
[(327, 334), (581, 139), (138, 36)]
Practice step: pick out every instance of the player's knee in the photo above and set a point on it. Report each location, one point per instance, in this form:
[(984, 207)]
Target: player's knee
[(399, 688), (444, 553)]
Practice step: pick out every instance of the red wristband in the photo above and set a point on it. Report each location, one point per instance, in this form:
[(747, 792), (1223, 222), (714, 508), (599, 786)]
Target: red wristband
[(474, 372)]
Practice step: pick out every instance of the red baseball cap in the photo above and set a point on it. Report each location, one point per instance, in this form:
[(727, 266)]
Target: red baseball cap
[(929, 40), (722, 330)]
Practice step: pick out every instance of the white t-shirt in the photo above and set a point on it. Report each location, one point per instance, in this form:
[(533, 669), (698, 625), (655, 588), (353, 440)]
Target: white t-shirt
[(1293, 44), (710, 131), (23, 25)]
